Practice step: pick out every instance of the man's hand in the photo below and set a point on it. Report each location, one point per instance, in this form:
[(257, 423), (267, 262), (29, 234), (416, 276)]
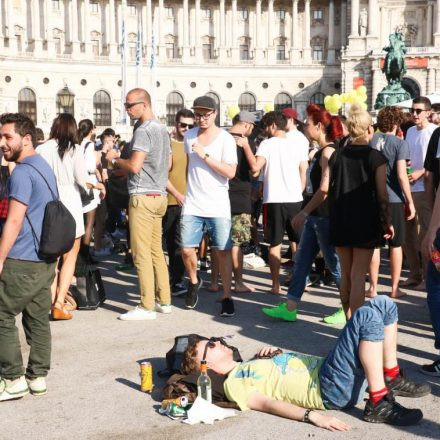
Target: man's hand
[(1, 267), (112, 154), (180, 199), (427, 244), (266, 351), (328, 422), (298, 221), (389, 232), (410, 211), (241, 141), (199, 150), (415, 176)]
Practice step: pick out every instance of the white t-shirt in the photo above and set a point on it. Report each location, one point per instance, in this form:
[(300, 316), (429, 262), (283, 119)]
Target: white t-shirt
[(299, 141), (418, 144), (207, 191), (282, 181)]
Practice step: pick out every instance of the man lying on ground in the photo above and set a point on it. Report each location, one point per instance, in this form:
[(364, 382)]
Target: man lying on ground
[(294, 385)]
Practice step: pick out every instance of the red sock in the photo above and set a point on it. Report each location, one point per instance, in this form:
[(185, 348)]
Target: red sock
[(391, 373), (376, 396)]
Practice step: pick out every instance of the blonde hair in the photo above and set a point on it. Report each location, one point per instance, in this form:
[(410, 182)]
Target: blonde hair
[(358, 122)]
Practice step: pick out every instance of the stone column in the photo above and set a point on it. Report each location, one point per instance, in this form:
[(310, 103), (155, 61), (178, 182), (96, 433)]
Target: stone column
[(430, 83), (185, 29), (307, 52), (420, 25), (86, 28), (437, 27), (234, 24), (331, 56), (48, 28), (10, 32), (294, 47), (74, 26), (112, 52), (148, 29), (197, 43), (1, 30), (375, 85), (372, 17), (36, 27), (343, 23), (354, 18), (270, 23), (428, 39)]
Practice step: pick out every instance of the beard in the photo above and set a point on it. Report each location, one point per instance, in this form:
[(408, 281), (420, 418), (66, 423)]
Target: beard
[(13, 155)]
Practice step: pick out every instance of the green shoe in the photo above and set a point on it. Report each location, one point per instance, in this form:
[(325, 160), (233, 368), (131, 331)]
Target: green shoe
[(280, 312), (337, 318)]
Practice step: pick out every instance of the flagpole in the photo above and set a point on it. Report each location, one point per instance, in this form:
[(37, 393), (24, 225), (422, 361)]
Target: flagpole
[(124, 119)]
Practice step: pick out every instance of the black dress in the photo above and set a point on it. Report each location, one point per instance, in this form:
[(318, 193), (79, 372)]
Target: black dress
[(353, 205)]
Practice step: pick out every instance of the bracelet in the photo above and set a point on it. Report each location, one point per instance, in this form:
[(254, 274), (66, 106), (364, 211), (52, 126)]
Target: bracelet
[(205, 156), (306, 418)]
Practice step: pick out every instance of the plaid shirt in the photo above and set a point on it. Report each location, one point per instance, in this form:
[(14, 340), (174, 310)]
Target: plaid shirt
[(4, 206)]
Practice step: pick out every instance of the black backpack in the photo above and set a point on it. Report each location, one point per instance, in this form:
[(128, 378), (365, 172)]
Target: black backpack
[(59, 227)]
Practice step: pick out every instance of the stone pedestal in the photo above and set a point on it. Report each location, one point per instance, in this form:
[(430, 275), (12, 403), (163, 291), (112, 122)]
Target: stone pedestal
[(390, 95)]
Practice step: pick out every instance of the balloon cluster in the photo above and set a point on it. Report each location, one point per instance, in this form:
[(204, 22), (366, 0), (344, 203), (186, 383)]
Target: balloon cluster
[(233, 110), (269, 107), (334, 102)]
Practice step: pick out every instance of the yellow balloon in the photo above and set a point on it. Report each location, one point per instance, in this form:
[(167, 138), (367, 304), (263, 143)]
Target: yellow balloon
[(233, 110), (362, 90), (344, 97), (364, 106), (269, 107), (327, 99)]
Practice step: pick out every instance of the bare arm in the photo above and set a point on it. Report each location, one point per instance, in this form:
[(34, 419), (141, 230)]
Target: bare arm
[(260, 402), (224, 169), (132, 165), (302, 173), (402, 177), (173, 191), (382, 196), (434, 224)]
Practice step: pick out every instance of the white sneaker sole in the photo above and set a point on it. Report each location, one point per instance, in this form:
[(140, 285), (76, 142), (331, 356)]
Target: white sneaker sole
[(8, 396)]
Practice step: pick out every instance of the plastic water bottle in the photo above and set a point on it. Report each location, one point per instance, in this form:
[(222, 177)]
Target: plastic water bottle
[(204, 383)]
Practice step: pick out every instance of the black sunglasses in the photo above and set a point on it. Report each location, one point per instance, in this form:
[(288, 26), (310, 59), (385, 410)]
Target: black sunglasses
[(128, 105), (184, 125), (210, 344), (417, 111)]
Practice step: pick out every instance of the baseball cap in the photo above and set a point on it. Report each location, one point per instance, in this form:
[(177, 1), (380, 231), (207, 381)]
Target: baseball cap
[(290, 113), (204, 102), (245, 116)]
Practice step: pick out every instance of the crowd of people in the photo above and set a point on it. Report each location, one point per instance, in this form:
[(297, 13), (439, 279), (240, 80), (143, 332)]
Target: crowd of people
[(339, 187)]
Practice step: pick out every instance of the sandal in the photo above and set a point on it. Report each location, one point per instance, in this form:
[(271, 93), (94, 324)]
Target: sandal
[(60, 313), (69, 302)]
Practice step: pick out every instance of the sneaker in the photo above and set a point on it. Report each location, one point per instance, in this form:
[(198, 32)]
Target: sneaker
[(104, 252), (280, 312), (13, 389), (389, 411), (192, 297), (227, 307), (205, 265), (163, 308), (431, 369), (178, 289), (138, 314), (401, 386), (337, 318), (37, 386)]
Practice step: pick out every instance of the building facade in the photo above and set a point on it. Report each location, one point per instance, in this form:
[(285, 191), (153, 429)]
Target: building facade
[(254, 54)]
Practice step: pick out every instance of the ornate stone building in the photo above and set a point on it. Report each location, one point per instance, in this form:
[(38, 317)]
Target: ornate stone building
[(248, 53)]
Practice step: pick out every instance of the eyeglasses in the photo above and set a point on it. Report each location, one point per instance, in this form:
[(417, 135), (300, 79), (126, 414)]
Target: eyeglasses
[(185, 125), (128, 105), (209, 344), (204, 116), (417, 111)]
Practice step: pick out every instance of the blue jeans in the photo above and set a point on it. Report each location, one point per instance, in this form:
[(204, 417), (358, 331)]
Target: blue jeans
[(219, 229), (342, 377), (433, 289), (315, 236)]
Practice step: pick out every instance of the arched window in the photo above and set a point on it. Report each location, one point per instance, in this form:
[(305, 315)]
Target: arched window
[(247, 102), (282, 100), (27, 104), (174, 104), (102, 108), (215, 97), (65, 101), (317, 98)]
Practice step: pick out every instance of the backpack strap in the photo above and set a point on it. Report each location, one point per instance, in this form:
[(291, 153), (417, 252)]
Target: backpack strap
[(54, 196)]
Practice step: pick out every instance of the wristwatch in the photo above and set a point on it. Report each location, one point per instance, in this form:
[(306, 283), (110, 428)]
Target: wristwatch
[(306, 416), (205, 156)]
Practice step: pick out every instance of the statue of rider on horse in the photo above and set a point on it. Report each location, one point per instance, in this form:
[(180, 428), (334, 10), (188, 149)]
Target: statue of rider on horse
[(394, 66)]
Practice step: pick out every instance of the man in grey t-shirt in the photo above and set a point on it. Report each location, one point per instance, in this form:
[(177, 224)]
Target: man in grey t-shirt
[(147, 168)]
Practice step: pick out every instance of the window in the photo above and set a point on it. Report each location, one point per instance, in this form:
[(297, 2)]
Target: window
[(131, 9), (61, 109), (247, 102), (280, 14), (216, 99), (318, 14), (207, 14), (207, 51), (282, 100), (244, 52), (94, 7), (281, 51), (102, 108), (317, 98), (170, 50), (174, 104), (317, 53), (56, 5), (27, 104), (244, 14), (169, 12)]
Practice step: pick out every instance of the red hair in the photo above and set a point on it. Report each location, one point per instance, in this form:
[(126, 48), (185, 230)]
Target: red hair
[(332, 124)]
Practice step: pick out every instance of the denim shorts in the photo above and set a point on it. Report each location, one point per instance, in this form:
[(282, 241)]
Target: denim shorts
[(218, 228)]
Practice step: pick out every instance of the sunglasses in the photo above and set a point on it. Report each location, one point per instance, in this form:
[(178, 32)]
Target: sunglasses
[(185, 125), (209, 344), (417, 111), (204, 116), (128, 105)]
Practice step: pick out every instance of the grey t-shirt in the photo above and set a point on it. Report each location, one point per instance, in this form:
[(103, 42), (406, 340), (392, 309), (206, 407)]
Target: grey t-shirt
[(151, 138), (393, 149)]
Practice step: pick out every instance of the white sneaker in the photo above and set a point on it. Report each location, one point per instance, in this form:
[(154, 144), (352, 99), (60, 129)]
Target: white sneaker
[(104, 252), (13, 389), (138, 314), (37, 386), (163, 308)]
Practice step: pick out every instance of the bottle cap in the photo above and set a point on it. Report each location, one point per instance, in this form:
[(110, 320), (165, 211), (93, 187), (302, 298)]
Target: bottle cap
[(203, 366)]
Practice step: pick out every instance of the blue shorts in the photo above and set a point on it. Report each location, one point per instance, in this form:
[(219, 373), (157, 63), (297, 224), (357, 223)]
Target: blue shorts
[(218, 228)]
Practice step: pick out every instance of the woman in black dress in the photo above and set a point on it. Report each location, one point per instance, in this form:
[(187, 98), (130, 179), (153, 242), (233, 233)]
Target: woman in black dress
[(358, 206)]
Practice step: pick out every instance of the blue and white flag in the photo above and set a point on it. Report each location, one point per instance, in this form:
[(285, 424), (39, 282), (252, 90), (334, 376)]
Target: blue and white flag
[(139, 57)]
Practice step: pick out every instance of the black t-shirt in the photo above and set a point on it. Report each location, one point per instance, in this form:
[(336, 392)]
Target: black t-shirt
[(353, 205), (431, 162), (240, 186)]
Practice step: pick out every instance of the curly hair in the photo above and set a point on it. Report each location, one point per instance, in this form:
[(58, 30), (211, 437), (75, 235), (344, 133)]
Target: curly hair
[(189, 362), (389, 117), (274, 117)]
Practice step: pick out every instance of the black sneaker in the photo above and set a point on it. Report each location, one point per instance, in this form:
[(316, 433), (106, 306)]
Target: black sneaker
[(205, 265), (192, 297), (178, 289), (389, 411), (401, 386), (431, 369), (227, 307)]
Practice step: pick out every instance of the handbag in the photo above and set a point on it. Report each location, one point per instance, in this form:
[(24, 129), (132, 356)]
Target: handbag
[(59, 227), (89, 292)]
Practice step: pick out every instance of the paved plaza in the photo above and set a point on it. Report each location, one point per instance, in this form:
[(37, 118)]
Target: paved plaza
[(93, 387)]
